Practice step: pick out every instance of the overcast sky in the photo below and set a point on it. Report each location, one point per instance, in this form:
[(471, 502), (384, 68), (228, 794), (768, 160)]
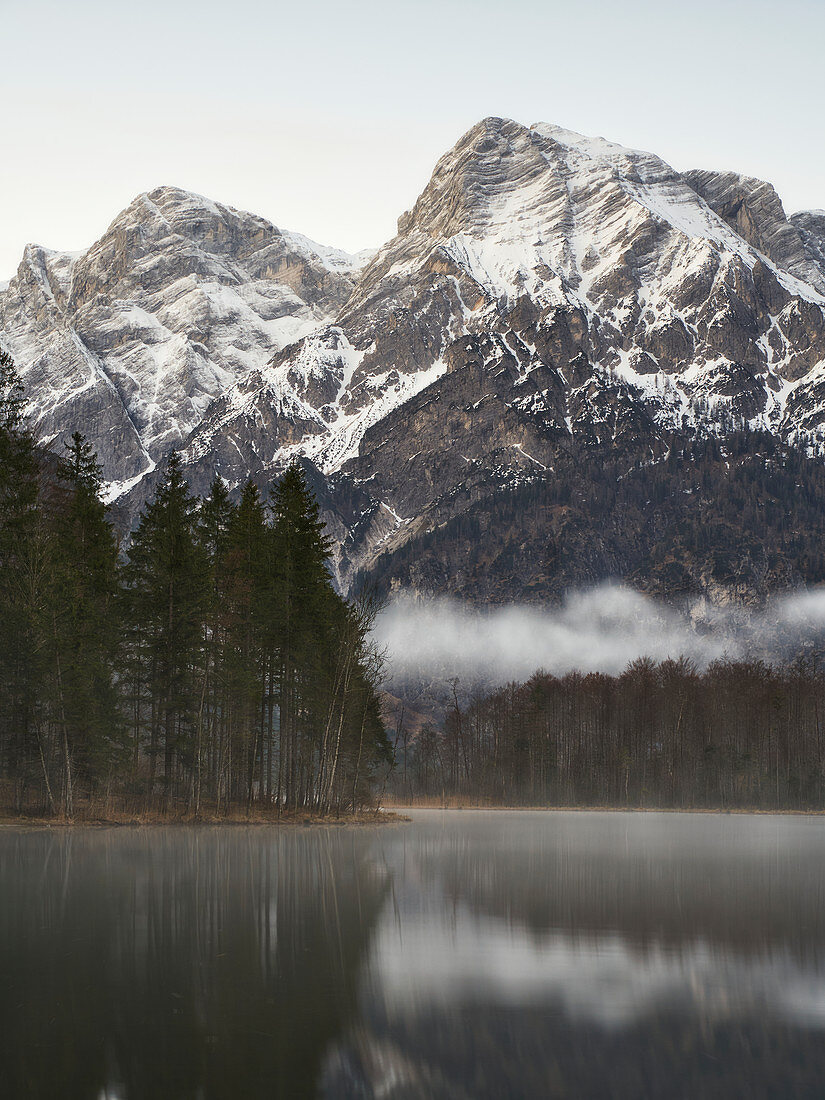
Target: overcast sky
[(328, 117)]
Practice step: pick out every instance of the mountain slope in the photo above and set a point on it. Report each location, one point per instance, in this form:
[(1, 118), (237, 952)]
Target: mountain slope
[(133, 338), (547, 295)]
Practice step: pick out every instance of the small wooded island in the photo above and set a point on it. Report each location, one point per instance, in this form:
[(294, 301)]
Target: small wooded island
[(208, 667)]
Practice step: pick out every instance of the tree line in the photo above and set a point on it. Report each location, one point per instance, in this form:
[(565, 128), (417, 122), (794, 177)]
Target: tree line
[(740, 734), (207, 662)]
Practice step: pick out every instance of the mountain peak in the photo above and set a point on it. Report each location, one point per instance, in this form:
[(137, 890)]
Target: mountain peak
[(181, 296), (549, 295)]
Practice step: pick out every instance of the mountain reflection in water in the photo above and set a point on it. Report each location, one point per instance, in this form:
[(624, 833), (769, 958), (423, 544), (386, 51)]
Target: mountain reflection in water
[(466, 954)]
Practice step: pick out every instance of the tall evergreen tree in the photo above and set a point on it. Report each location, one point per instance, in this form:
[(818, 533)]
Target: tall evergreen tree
[(245, 567), (305, 607), (22, 568), (212, 739), (166, 581), (331, 733), (82, 629)]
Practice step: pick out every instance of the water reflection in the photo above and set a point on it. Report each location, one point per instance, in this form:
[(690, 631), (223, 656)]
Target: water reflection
[(597, 955), (600, 979), (178, 963), (464, 954)]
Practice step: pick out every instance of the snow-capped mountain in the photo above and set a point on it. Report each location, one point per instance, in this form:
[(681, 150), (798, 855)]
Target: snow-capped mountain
[(548, 296), (131, 340), (547, 292)]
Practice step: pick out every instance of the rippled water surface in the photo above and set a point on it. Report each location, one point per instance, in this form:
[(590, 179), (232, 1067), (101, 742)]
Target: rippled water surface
[(462, 955)]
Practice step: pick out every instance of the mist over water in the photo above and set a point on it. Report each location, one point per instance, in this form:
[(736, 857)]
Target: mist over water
[(602, 629)]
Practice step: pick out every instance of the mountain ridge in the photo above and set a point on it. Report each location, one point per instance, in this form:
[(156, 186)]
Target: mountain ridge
[(547, 295)]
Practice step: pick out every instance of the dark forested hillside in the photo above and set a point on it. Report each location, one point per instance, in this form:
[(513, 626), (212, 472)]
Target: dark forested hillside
[(734, 518), (207, 665)]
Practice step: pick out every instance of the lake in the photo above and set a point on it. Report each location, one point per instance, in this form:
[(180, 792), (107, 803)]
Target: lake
[(466, 954)]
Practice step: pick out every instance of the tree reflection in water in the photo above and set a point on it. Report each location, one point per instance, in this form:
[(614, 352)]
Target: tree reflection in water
[(178, 962)]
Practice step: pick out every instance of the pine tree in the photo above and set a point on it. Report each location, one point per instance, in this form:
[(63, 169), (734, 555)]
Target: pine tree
[(22, 569), (331, 732), (167, 587), (305, 602), (81, 608), (211, 747), (245, 656)]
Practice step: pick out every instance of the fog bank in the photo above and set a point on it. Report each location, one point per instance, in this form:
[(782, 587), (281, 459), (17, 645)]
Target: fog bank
[(602, 629)]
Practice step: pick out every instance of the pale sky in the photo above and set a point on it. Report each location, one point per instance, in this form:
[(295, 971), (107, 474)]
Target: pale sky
[(327, 118)]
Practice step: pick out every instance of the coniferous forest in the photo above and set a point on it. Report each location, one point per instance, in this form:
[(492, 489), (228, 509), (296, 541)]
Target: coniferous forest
[(207, 665)]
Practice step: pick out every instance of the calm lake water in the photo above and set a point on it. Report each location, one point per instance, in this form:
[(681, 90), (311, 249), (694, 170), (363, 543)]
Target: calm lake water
[(463, 955)]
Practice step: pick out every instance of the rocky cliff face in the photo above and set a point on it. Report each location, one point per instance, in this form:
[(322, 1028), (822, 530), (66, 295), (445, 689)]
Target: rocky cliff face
[(131, 340), (551, 303), (548, 296)]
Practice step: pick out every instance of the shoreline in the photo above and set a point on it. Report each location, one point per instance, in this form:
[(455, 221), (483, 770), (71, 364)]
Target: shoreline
[(149, 821), (720, 810), (393, 813)]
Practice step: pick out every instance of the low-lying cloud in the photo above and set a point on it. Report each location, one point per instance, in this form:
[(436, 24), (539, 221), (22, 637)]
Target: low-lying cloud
[(602, 629)]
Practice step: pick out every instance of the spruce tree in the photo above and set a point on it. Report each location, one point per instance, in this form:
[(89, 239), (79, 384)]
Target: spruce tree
[(245, 660), (166, 580), (328, 674), (22, 570), (83, 634), (305, 605), (211, 741)]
